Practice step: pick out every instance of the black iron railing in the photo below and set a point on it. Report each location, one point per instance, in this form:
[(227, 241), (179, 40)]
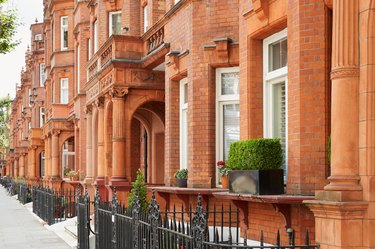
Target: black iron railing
[(24, 193), (117, 227), (53, 206)]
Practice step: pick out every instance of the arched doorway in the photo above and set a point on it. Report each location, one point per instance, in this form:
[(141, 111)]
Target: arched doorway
[(147, 140)]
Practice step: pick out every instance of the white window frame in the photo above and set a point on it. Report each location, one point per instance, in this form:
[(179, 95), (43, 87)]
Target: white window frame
[(42, 162), (64, 28), (42, 75), (184, 151), (66, 153), (89, 49), (145, 18), (111, 14), (269, 79), (38, 37), (96, 37), (220, 101), (41, 116), (64, 90)]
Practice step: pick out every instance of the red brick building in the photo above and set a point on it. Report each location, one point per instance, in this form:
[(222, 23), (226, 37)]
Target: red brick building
[(162, 85)]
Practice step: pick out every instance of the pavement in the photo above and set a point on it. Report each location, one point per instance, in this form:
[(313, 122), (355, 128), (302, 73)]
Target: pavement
[(20, 229)]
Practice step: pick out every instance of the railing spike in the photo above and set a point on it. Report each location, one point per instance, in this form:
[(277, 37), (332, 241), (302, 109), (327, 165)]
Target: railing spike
[(307, 239), (261, 238), (278, 238)]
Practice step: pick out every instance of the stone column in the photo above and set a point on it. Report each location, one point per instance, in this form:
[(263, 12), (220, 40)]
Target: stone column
[(118, 135), (22, 165), (15, 167), (345, 87), (88, 144), (32, 163), (55, 154), (101, 157), (48, 157)]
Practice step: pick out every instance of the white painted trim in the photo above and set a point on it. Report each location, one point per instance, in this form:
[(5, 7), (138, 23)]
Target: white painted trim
[(110, 14), (62, 29), (183, 143), (269, 79), (220, 101)]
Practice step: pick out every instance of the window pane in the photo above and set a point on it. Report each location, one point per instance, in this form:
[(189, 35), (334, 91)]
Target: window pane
[(184, 137), (145, 18), (42, 163), (185, 93), (229, 83), (65, 38), (279, 114), (231, 126), (278, 55), (116, 24)]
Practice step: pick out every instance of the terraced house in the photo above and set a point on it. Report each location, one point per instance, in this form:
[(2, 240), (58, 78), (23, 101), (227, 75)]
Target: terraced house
[(113, 86)]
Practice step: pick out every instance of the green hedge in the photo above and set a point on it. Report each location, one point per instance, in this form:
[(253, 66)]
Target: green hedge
[(264, 153)]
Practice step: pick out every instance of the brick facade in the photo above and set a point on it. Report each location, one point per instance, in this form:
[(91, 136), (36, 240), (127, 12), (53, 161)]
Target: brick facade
[(123, 108)]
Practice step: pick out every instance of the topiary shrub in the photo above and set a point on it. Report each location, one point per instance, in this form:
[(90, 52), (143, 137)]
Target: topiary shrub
[(264, 153), (140, 187)]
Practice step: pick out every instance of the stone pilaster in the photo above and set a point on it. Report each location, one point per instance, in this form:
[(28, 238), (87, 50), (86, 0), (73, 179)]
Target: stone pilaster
[(345, 82), (55, 154), (89, 173), (119, 133), (101, 163)]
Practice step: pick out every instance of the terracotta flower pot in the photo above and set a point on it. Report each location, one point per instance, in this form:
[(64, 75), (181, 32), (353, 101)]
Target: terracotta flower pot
[(225, 181)]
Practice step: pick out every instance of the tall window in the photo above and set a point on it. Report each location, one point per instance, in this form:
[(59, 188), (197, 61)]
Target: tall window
[(78, 69), (275, 54), (42, 117), (64, 32), (115, 23), (95, 36), (145, 18), (67, 156), (42, 76), (42, 160), (228, 111), (64, 91), (184, 123), (38, 37)]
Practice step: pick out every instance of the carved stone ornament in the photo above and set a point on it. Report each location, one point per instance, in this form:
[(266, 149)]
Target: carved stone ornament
[(88, 110), (118, 92), (56, 132), (99, 103), (345, 72)]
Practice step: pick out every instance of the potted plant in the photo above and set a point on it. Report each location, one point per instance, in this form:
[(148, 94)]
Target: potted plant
[(181, 178), (66, 172), (223, 171), (74, 175), (255, 167)]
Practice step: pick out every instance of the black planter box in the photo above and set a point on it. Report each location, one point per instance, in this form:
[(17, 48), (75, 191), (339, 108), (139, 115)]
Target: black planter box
[(181, 183), (256, 182)]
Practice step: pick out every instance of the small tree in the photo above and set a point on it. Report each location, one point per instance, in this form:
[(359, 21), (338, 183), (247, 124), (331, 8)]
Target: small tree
[(140, 187), (8, 29)]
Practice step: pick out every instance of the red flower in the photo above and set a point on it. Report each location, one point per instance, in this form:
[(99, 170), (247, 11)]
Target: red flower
[(220, 163)]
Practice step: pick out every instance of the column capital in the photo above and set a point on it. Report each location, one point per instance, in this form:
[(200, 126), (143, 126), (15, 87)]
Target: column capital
[(99, 103), (88, 110), (56, 132), (118, 92)]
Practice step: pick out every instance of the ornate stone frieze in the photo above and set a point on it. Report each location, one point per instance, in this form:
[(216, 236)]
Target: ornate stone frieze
[(345, 72)]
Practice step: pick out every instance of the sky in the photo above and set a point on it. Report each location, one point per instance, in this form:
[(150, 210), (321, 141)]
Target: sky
[(12, 63)]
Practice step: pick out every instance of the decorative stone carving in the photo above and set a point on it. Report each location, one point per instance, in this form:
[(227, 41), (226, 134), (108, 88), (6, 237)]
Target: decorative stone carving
[(56, 132), (93, 92), (118, 92), (106, 81), (99, 103), (345, 72), (261, 9), (88, 110)]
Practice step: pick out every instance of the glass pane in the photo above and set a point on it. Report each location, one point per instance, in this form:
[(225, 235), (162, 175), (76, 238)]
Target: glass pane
[(229, 83), (68, 155), (278, 55), (65, 38), (185, 93), (231, 126), (42, 163), (279, 114), (184, 135), (65, 21), (116, 24)]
